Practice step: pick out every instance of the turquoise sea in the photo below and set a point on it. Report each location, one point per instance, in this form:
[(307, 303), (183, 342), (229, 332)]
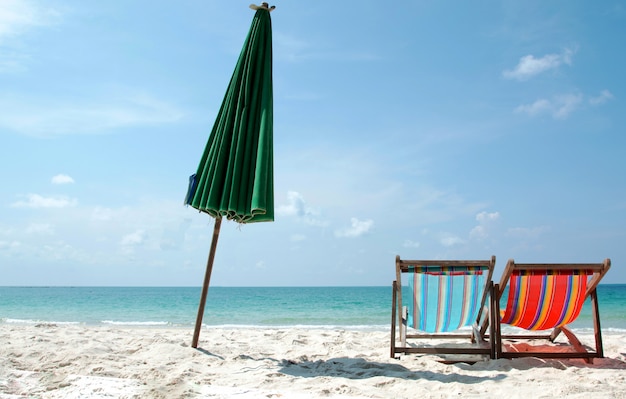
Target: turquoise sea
[(320, 307)]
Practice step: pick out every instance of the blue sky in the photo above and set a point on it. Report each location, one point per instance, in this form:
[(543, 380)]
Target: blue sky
[(432, 130)]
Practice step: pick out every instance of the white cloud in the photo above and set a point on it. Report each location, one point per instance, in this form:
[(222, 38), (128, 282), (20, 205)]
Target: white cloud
[(530, 66), (56, 117), (37, 201), (450, 240), (566, 104), (62, 179), (17, 17), (604, 96), (61, 251), (538, 107), (486, 217), (296, 207), (560, 107), (411, 244), (357, 228), (87, 235), (102, 214), (133, 239), (486, 221), (478, 232)]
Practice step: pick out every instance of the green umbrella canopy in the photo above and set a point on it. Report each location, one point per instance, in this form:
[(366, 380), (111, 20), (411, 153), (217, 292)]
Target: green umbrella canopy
[(235, 175), (235, 178)]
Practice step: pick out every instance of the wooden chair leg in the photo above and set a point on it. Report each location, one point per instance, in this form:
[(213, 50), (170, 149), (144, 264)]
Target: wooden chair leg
[(403, 326), (492, 321), (595, 313), (497, 323), (393, 319)]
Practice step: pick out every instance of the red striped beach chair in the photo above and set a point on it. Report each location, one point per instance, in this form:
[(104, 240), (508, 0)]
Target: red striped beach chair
[(548, 297), (442, 298)]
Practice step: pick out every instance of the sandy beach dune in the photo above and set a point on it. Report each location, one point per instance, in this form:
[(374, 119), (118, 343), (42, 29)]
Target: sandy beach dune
[(49, 361)]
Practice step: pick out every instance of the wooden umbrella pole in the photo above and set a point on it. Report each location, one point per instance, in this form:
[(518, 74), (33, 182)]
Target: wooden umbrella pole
[(207, 279)]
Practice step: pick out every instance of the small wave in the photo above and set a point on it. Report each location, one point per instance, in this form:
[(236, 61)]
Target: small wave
[(612, 330), (136, 323), (35, 322), (299, 326)]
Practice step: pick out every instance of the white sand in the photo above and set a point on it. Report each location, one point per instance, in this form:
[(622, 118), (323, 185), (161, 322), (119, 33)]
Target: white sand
[(48, 361)]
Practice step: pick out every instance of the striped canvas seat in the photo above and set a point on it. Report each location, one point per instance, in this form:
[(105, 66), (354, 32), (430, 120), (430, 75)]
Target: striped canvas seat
[(440, 297), (541, 300), (445, 299), (548, 296)]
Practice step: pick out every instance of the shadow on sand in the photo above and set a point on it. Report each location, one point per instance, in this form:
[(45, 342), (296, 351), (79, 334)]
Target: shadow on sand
[(206, 352), (531, 362), (357, 368)]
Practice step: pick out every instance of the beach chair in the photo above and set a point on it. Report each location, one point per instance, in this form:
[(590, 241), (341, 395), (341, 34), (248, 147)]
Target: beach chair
[(548, 297), (443, 297)]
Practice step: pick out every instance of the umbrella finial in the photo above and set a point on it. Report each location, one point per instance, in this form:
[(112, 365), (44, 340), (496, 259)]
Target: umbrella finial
[(263, 6)]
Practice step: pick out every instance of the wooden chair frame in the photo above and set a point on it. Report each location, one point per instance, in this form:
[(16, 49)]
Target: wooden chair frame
[(598, 272), (486, 315)]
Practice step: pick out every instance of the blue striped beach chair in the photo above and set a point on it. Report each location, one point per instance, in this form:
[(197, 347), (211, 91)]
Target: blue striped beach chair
[(443, 299)]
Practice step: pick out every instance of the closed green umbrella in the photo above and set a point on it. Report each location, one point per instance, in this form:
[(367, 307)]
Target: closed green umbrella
[(235, 175)]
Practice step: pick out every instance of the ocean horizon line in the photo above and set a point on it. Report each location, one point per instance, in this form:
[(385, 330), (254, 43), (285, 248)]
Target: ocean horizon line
[(218, 286)]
